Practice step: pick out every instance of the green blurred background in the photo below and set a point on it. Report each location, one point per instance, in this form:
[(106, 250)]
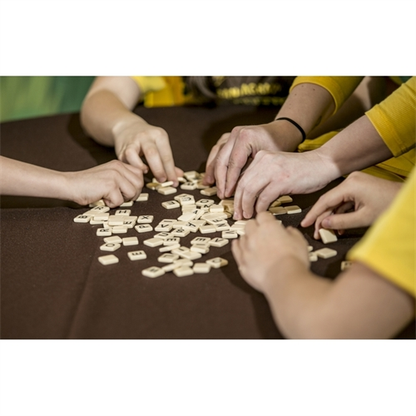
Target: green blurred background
[(28, 97)]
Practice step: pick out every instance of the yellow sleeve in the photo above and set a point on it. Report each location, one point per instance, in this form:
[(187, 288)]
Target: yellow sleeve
[(161, 91), (389, 247), (339, 87), (395, 118)]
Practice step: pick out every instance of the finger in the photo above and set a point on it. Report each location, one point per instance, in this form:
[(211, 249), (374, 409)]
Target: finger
[(296, 234), (134, 176), (166, 156), (131, 156), (239, 156), (265, 198), (265, 218), (346, 207), (250, 228), (178, 172), (221, 163), (113, 198), (151, 152), (318, 223), (250, 190), (236, 250), (346, 221), (209, 178), (327, 202)]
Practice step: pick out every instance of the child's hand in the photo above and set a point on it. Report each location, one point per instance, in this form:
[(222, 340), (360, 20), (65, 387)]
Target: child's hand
[(266, 249), (136, 138), (114, 182), (356, 202)]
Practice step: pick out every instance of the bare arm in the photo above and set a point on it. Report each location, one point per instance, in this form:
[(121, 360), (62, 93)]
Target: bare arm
[(107, 104), (307, 104), (356, 202), (107, 116), (114, 182), (358, 304), (272, 174)]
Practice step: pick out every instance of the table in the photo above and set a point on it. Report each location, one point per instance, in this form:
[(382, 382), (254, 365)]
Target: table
[(52, 285)]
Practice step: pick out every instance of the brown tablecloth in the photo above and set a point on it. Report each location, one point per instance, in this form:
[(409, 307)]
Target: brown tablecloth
[(52, 285)]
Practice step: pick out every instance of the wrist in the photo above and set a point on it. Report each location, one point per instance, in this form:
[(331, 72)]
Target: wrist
[(295, 124), (289, 267), (286, 135)]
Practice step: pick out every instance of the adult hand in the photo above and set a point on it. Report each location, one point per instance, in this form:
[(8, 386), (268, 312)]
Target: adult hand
[(135, 138), (114, 182), (266, 246), (273, 174), (230, 155), (356, 202)]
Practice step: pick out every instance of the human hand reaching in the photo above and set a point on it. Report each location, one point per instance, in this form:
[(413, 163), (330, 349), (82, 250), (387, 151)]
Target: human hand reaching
[(115, 182), (230, 155), (135, 139), (356, 202), (271, 175), (266, 246)]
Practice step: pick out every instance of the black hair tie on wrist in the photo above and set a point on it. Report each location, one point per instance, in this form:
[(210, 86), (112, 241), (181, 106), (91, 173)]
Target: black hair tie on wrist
[(302, 132)]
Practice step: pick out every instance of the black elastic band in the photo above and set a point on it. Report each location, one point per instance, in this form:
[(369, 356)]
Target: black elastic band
[(295, 124)]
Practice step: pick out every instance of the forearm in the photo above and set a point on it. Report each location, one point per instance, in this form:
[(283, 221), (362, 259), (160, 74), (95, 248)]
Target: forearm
[(308, 105), (24, 179), (102, 113), (108, 105), (356, 147), (296, 296)]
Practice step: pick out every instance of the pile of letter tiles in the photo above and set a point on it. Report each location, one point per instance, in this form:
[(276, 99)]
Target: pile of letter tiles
[(201, 217)]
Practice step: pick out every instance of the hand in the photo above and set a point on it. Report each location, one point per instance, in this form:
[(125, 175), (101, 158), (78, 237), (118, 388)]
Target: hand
[(262, 253), (114, 182), (273, 174), (232, 152), (356, 202), (136, 138)]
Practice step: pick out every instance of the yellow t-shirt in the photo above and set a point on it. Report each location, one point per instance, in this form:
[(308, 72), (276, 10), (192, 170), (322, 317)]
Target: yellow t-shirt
[(394, 119), (389, 246), (340, 88), (168, 91)]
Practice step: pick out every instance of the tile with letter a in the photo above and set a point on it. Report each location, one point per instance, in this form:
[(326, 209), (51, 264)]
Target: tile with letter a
[(217, 262), (153, 272), (109, 259), (137, 255)]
